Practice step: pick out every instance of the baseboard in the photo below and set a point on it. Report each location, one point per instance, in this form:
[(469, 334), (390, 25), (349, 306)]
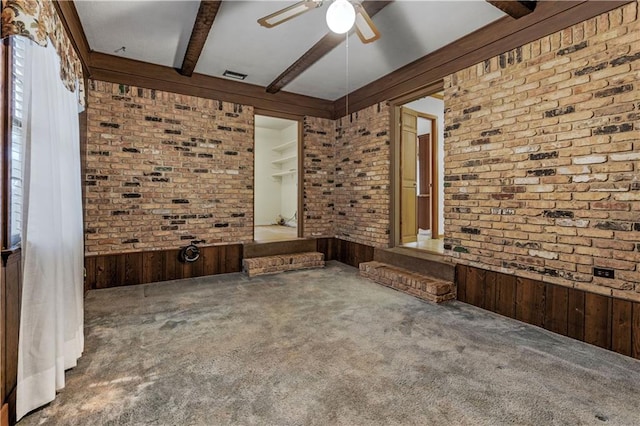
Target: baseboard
[(600, 320)]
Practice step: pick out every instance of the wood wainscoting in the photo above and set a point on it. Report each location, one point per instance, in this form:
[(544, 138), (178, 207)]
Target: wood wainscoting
[(600, 320), (113, 270), (11, 293), (347, 252)]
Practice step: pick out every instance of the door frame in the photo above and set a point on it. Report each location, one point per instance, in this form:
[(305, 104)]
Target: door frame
[(300, 120), (435, 181), (395, 131)]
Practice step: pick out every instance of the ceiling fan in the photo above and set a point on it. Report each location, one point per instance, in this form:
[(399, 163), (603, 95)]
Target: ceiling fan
[(340, 17)]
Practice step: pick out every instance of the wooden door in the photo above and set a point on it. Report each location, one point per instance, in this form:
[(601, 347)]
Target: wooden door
[(408, 175), (425, 179)]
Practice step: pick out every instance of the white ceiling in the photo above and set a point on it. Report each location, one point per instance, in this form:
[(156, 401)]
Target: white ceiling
[(158, 32), (273, 123)]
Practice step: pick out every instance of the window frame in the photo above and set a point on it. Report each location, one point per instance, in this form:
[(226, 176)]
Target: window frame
[(8, 241)]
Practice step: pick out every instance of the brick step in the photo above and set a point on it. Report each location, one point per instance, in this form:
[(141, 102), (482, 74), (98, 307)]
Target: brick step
[(282, 263), (421, 286)]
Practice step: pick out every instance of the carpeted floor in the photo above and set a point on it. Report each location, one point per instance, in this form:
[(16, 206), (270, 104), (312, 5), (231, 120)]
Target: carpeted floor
[(325, 347)]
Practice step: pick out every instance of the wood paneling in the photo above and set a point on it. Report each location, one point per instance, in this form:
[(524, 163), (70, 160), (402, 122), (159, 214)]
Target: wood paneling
[(11, 293), (475, 286), (233, 258), (597, 320), (113, 270), (352, 253), (621, 323), (490, 291), (530, 301), (89, 273), (210, 262), (133, 269), (575, 314), (491, 40), (327, 247), (506, 295), (120, 70), (152, 266), (635, 331), (593, 318), (461, 282), (556, 309)]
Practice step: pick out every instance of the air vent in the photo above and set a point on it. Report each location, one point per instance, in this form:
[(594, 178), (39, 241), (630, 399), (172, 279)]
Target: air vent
[(233, 74)]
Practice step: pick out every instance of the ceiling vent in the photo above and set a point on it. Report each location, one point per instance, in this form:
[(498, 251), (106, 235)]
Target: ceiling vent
[(235, 75)]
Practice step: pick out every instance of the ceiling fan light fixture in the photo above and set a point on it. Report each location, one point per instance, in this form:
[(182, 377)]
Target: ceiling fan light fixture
[(341, 16)]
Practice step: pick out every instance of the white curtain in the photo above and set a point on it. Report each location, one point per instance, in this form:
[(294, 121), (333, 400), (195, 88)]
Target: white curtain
[(51, 324)]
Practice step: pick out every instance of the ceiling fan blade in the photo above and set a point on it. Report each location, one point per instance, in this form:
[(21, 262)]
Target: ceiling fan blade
[(365, 28), (287, 13)]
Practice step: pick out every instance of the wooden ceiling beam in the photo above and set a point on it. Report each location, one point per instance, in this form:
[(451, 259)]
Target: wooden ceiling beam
[(201, 28), (321, 48), (515, 9)]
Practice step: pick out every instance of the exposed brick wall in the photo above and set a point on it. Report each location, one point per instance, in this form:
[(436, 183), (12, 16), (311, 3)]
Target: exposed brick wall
[(163, 170), (542, 163), (362, 176), (319, 168)]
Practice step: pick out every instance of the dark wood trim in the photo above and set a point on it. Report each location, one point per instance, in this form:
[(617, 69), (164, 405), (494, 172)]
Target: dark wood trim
[(515, 9), (71, 21), (489, 41), (270, 113), (120, 70), (201, 27), (600, 320), (325, 45), (496, 38), (300, 175), (352, 253)]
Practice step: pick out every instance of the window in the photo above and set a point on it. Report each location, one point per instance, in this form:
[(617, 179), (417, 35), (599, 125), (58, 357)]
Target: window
[(16, 149)]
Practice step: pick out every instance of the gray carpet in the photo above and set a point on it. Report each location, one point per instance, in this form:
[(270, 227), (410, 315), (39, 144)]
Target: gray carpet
[(327, 347)]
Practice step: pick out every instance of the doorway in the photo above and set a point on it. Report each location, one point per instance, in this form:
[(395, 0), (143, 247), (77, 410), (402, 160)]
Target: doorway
[(276, 179), (418, 204)]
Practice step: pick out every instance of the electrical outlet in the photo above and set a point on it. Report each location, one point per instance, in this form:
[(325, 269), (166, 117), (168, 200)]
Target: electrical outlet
[(604, 273)]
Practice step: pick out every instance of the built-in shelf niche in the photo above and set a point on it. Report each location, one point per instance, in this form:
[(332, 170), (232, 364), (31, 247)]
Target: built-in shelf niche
[(285, 146), (284, 159), (288, 152)]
